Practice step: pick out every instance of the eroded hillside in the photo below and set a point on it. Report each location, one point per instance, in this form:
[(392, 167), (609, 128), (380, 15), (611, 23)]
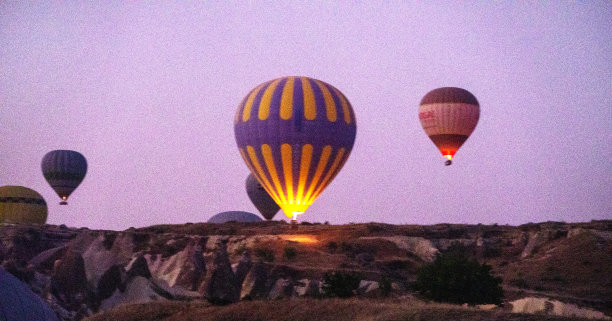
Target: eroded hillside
[(81, 271)]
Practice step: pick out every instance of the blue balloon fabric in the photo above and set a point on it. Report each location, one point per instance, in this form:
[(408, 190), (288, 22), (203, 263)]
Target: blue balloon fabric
[(234, 216), (19, 303)]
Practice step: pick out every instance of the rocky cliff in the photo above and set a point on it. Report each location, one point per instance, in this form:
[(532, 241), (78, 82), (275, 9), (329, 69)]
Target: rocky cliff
[(81, 271)]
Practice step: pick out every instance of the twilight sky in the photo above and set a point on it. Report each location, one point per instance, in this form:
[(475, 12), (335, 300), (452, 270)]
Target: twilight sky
[(148, 92)]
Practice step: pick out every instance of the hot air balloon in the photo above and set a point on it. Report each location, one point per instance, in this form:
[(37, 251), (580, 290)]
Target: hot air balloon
[(260, 198), (295, 134), (234, 216), (64, 170), (19, 303), (21, 205), (448, 116)]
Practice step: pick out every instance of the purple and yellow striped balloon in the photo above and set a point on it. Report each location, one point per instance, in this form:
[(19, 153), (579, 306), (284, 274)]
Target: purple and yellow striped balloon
[(295, 134)]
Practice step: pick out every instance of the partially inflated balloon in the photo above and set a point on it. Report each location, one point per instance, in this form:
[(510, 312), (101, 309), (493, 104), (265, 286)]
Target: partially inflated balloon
[(448, 116), (260, 198), (295, 134), (64, 170), (234, 216), (21, 205), (19, 303)]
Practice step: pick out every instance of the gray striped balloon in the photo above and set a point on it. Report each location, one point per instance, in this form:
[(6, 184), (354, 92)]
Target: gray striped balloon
[(64, 170), (260, 198)]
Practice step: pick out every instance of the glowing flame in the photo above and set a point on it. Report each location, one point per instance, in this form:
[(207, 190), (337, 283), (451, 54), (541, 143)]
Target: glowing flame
[(293, 210), (450, 157), (303, 239)]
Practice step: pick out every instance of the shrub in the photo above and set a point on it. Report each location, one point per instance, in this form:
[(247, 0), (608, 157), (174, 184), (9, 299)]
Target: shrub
[(290, 253), (519, 283), (491, 252), (109, 240), (385, 286), (240, 249), (395, 265), (331, 246), (340, 284), (375, 228), (228, 230), (265, 254), (346, 247), (454, 277)]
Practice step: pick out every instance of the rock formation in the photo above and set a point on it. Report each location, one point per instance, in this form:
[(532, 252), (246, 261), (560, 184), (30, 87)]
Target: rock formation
[(81, 271), (220, 285)]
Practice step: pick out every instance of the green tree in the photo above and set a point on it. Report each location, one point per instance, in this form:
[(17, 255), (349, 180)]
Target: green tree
[(454, 277), (265, 254), (290, 253), (340, 284)]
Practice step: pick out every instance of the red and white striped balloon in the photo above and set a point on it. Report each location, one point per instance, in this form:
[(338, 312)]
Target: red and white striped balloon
[(448, 116)]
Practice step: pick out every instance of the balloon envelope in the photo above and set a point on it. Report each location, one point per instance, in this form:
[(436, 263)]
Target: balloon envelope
[(260, 198), (235, 216), (295, 134), (64, 170), (448, 116), (19, 303), (21, 205)]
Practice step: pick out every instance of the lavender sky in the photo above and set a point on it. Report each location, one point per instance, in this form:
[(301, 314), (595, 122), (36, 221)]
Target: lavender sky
[(148, 91)]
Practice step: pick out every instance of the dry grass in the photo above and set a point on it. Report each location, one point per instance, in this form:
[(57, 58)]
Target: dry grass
[(311, 309)]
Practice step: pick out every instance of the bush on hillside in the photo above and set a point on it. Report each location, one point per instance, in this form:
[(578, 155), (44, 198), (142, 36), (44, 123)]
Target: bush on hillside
[(340, 284), (290, 253), (454, 277), (264, 254)]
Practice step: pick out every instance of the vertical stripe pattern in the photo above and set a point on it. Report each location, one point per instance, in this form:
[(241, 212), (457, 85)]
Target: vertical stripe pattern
[(64, 170), (295, 134)]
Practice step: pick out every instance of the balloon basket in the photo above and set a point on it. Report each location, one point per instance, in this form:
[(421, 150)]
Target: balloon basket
[(294, 224), (63, 203)]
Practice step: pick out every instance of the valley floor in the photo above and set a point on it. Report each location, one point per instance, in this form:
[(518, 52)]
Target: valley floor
[(313, 309)]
